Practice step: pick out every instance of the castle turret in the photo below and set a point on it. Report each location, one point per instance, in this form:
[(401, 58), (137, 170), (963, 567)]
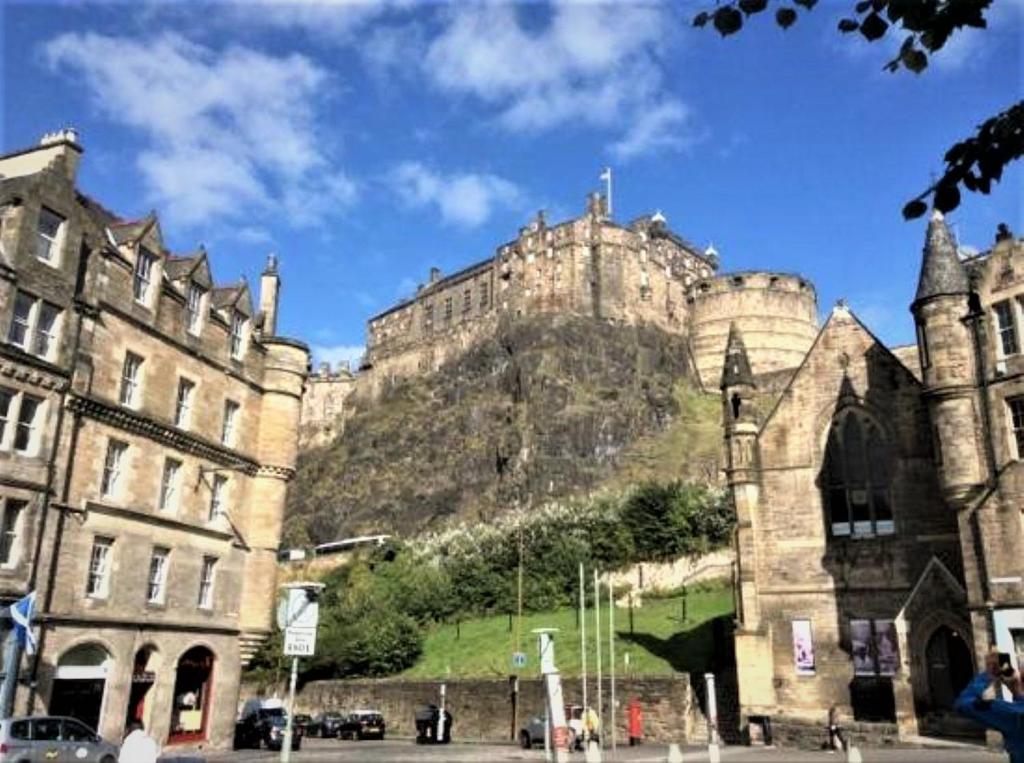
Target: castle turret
[(740, 421), (942, 309), (285, 375)]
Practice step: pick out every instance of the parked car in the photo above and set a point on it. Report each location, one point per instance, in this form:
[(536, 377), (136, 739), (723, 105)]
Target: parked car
[(533, 732), (427, 718), (327, 724), (263, 725), (362, 724), (306, 723), (44, 738)]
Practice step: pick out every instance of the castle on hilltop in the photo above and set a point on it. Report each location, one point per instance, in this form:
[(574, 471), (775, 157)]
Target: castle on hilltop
[(640, 273)]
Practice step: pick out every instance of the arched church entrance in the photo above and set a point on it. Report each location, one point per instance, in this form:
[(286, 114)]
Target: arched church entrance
[(950, 667), (79, 684)]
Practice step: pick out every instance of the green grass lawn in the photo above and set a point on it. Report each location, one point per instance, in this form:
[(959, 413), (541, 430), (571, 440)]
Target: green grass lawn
[(660, 642)]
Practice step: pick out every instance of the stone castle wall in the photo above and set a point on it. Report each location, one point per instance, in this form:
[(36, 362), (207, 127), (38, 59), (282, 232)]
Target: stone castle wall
[(642, 273), (777, 314)]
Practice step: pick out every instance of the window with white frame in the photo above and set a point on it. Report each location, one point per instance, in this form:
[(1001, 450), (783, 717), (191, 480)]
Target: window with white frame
[(130, 375), (237, 334), (1016, 407), (7, 397), (142, 278), (156, 587), (97, 584), (26, 431), (194, 307), (45, 340), (206, 578), (183, 403), (218, 496), (21, 323), (113, 468), (34, 325), (10, 529), (1006, 328), (170, 484), (227, 430), (48, 236)]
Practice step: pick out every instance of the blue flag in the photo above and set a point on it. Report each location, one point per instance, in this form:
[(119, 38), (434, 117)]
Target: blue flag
[(21, 613)]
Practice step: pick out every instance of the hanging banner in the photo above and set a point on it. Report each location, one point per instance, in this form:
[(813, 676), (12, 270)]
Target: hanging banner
[(803, 648)]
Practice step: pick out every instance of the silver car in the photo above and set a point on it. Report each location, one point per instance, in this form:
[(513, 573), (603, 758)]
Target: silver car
[(52, 739)]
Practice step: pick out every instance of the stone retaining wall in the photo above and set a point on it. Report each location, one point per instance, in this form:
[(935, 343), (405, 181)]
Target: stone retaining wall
[(483, 708)]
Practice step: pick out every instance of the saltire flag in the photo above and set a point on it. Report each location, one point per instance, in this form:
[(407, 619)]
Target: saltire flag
[(21, 613), (606, 175)]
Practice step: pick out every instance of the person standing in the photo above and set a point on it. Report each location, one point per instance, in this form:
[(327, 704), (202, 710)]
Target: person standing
[(835, 731), (981, 702), (138, 746)]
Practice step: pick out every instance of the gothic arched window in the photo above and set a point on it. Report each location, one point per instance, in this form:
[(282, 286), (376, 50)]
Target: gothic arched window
[(855, 478)]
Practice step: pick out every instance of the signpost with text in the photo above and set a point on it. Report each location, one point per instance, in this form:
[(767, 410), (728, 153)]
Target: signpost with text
[(297, 615)]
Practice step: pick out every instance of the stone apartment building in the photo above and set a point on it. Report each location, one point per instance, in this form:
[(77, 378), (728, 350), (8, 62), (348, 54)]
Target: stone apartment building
[(590, 265), (148, 431), (879, 539)]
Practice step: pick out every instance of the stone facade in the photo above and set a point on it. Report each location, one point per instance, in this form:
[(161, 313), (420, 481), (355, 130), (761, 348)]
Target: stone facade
[(878, 499), (143, 485), (640, 273), (323, 404)]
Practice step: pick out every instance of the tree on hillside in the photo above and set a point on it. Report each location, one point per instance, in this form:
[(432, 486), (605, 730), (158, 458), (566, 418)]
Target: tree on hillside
[(975, 162)]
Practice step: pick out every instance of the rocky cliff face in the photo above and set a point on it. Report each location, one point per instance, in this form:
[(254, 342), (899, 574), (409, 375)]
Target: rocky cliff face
[(549, 407)]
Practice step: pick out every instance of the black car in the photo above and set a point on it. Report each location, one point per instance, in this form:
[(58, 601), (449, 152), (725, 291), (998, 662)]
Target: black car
[(306, 723), (362, 724), (265, 728), (327, 725)]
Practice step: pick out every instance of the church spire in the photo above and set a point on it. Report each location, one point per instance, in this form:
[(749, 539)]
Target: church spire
[(941, 270), (737, 365)]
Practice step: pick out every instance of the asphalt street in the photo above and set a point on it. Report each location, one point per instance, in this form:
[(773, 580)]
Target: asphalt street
[(400, 751)]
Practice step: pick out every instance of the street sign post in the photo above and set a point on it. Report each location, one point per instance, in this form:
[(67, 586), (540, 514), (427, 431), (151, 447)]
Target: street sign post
[(297, 615)]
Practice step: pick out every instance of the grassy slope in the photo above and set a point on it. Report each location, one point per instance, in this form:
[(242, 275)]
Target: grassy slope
[(660, 643)]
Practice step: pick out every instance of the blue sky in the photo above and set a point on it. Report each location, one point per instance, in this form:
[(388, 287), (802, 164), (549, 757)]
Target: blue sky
[(366, 142)]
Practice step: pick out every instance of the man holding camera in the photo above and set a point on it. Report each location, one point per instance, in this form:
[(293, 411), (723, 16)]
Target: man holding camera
[(982, 701)]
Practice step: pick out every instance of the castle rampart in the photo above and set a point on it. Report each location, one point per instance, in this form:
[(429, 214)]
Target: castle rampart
[(777, 314)]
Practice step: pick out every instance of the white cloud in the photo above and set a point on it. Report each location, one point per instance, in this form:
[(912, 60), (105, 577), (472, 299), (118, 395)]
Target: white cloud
[(227, 132), (465, 199), (334, 354), (592, 64)]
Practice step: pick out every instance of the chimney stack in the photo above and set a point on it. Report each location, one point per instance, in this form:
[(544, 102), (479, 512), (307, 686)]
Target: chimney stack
[(270, 287)]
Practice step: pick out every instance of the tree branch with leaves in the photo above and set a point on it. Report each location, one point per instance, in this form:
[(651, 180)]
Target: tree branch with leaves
[(974, 163)]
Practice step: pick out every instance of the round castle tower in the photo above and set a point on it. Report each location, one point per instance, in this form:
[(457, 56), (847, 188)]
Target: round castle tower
[(777, 314)]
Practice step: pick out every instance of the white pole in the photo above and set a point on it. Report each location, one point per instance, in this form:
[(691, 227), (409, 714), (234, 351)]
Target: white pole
[(613, 712), (597, 638), (440, 717), (583, 652), (608, 186), (286, 745)]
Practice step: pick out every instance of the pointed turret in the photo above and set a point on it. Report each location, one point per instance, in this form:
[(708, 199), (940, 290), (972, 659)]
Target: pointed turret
[(736, 371), (946, 346), (941, 270)]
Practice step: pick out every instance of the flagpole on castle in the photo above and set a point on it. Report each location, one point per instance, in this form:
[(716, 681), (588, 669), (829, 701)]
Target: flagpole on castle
[(606, 176)]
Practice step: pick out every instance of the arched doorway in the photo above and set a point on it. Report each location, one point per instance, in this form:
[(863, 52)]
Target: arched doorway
[(144, 670), (79, 683), (950, 667), (190, 706)]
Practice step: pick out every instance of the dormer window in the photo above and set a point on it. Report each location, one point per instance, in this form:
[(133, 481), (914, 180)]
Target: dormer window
[(238, 322), (142, 279), (194, 307), (48, 236)]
